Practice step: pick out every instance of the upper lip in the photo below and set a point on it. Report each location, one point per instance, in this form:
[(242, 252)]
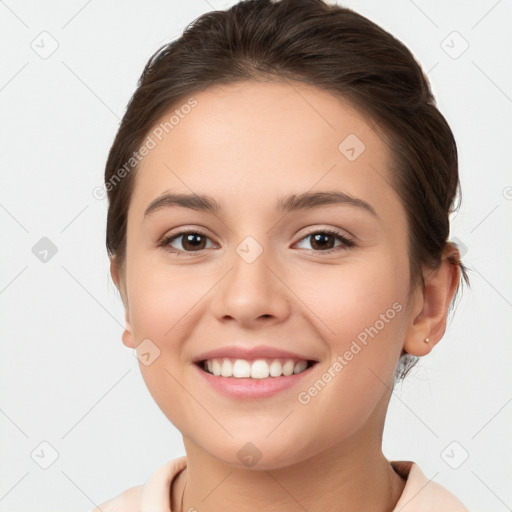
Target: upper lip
[(239, 352)]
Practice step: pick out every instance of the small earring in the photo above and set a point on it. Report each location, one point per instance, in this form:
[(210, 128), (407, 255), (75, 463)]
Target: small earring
[(427, 340)]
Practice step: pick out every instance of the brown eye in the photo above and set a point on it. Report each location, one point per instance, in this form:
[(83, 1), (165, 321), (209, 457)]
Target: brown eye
[(190, 241), (324, 240)]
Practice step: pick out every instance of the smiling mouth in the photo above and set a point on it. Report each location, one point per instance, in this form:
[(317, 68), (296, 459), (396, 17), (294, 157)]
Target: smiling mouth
[(254, 369)]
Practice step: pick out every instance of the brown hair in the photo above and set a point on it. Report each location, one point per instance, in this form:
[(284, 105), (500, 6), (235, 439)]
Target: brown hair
[(327, 46)]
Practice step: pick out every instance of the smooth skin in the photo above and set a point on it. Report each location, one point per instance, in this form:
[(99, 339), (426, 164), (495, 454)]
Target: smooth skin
[(247, 145)]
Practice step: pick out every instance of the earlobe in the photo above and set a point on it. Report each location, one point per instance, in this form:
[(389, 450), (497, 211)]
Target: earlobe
[(429, 325), (420, 347), (127, 337)]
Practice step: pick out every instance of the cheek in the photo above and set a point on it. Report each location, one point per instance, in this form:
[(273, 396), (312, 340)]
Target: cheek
[(355, 298), (165, 301), (162, 310), (161, 297), (362, 308), (359, 316)]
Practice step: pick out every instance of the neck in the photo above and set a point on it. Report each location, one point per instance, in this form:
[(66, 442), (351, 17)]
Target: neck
[(334, 480)]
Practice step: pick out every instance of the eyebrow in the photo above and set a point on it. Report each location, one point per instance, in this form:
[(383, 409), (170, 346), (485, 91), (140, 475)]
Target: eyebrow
[(294, 202)]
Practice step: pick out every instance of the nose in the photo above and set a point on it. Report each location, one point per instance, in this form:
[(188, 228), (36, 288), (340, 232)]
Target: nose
[(253, 292)]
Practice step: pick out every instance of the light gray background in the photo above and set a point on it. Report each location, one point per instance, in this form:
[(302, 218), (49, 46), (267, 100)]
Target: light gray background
[(66, 377)]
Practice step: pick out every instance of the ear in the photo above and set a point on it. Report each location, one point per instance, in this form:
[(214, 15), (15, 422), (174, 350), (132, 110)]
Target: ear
[(119, 281), (433, 303)]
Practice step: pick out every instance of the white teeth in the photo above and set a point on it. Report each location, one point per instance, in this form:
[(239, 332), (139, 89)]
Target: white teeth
[(275, 369), (288, 368), (257, 369), (300, 366), (216, 367), (227, 368), (260, 369), (241, 369)]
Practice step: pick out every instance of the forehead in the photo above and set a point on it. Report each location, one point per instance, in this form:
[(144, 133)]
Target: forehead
[(252, 141)]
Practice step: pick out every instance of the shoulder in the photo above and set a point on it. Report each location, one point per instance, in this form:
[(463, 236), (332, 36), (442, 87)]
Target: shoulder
[(152, 495), (421, 494), (128, 501)]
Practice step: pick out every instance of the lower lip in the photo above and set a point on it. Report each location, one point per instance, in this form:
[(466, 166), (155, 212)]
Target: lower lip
[(252, 388)]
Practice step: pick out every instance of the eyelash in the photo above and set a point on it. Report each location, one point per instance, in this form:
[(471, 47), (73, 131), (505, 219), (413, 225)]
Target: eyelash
[(348, 244)]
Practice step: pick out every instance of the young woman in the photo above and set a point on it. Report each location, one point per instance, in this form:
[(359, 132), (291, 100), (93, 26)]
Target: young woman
[(279, 198)]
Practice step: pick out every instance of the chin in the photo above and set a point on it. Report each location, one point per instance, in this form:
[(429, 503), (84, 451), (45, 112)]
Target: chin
[(259, 454)]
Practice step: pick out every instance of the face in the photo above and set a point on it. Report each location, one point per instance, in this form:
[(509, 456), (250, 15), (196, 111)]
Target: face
[(320, 280)]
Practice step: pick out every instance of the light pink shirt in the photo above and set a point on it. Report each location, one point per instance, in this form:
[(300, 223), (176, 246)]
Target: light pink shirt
[(419, 494)]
